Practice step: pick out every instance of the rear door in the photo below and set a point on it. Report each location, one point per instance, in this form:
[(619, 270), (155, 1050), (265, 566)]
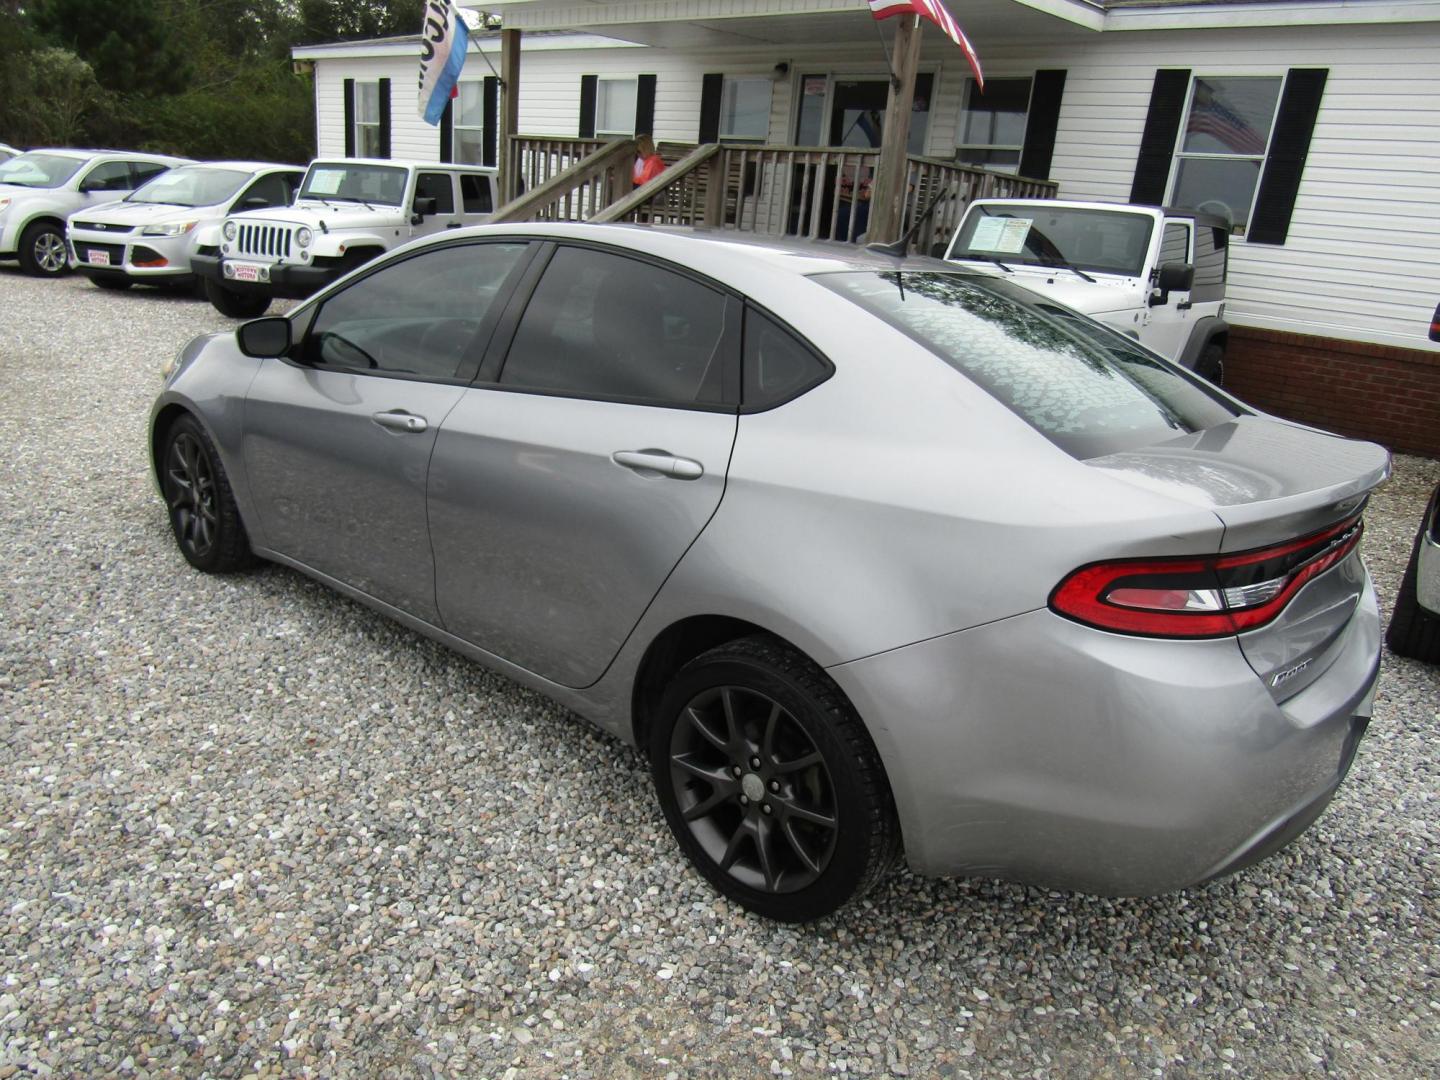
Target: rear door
[(338, 438), (567, 485)]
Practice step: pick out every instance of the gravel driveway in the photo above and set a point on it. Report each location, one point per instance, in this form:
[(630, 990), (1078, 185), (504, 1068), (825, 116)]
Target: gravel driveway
[(249, 828)]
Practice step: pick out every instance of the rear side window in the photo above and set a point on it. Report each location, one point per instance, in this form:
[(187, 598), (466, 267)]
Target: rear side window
[(1084, 387), (601, 325), (475, 194), (778, 366), (140, 171)]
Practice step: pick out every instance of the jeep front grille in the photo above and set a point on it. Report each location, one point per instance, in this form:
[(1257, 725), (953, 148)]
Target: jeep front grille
[(271, 240)]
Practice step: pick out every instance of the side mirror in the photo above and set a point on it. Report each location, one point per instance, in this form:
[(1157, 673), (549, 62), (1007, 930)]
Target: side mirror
[(265, 339), (1176, 276), (423, 206)]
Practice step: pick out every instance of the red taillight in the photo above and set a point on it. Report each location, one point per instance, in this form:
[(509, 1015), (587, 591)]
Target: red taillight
[(1213, 596)]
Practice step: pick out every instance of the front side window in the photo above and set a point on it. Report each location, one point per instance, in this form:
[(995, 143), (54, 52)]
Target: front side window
[(1031, 234), (615, 102), (602, 325), (469, 124), (437, 186), (338, 182), (1222, 145), (992, 124), (367, 119), (1089, 390), (1175, 244), (419, 317), (108, 176), (277, 189), (191, 186), (745, 107)]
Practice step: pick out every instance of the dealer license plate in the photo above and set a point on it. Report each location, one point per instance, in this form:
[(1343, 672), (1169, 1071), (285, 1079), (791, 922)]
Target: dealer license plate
[(98, 258), (247, 271)]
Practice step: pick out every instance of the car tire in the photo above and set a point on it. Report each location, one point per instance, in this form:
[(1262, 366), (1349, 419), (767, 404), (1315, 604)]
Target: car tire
[(111, 282), (235, 304), (42, 250), (770, 782), (202, 509), (1211, 363), (1413, 631)]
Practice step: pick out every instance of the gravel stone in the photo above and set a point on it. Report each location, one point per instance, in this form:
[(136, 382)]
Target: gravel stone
[(250, 829)]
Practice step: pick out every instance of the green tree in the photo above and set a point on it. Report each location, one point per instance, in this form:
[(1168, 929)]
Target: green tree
[(320, 21), (128, 43)]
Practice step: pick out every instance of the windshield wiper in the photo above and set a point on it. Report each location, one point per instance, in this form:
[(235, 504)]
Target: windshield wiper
[(1063, 265)]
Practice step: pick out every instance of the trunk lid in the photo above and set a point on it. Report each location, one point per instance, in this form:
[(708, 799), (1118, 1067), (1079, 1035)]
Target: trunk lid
[(1270, 481)]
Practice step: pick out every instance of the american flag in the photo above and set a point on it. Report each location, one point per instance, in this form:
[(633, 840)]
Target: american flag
[(1209, 115), (935, 11)]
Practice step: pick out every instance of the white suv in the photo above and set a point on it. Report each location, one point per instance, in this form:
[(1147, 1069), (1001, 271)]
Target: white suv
[(347, 212), (1155, 274), (39, 190)]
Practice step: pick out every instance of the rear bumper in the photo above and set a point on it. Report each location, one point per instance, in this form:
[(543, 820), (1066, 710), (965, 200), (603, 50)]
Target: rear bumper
[(1042, 751), (285, 280)]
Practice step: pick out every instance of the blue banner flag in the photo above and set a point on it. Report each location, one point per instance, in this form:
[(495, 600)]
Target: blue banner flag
[(444, 42)]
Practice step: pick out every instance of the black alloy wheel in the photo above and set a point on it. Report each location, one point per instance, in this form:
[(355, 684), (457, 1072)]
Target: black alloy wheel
[(770, 782), (203, 514)]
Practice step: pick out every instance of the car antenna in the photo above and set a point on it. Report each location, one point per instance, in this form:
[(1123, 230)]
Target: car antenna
[(899, 248)]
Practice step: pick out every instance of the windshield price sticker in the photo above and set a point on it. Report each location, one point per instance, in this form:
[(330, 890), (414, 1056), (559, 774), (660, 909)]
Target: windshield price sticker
[(325, 181), (1001, 234)]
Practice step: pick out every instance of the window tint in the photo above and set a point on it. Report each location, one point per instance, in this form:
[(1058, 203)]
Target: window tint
[(607, 326), (109, 176), (1210, 251), (140, 171), (1086, 388), (1175, 244), (777, 365), (475, 193), (437, 186), (277, 189), (418, 317)]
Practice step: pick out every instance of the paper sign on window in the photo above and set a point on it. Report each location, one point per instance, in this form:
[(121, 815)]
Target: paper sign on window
[(1005, 235), (325, 181)]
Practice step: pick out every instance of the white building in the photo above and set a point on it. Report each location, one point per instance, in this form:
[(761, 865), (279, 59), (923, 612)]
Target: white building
[(1315, 123)]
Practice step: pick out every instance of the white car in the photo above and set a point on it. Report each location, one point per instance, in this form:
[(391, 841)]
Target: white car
[(7, 152), (1157, 275), (40, 189), (348, 211), (150, 235)]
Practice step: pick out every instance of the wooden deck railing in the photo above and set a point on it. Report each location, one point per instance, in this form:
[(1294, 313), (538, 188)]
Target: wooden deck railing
[(538, 158), (819, 193)]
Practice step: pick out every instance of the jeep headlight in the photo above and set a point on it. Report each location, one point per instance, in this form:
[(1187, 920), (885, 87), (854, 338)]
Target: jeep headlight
[(303, 236), (179, 228), (230, 230)]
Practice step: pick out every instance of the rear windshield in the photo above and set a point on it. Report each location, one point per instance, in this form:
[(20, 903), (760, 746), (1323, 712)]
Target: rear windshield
[(1086, 388), (193, 186), (39, 170), (1031, 234)]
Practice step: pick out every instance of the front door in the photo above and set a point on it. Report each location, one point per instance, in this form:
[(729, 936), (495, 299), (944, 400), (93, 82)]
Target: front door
[(1167, 322)]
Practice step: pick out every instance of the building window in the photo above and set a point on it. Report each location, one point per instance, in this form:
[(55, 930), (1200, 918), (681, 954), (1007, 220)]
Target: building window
[(992, 124), (745, 107), (469, 124), (367, 120), (1223, 143), (615, 101)]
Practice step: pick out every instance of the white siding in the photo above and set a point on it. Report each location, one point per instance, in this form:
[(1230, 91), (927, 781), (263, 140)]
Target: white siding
[(1360, 261)]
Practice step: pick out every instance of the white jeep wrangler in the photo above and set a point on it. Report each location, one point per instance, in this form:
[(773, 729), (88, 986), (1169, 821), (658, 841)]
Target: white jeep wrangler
[(1155, 274), (347, 212)]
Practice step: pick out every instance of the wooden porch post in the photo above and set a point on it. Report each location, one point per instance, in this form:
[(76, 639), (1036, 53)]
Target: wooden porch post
[(509, 112), (887, 197)]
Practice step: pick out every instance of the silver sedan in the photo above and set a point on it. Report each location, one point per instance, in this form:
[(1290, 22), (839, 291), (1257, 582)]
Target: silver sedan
[(871, 556)]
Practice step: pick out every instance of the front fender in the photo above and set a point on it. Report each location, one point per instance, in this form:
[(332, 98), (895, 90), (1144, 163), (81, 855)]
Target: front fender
[(329, 246)]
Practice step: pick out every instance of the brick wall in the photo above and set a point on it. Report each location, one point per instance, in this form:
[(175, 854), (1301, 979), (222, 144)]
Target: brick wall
[(1379, 392)]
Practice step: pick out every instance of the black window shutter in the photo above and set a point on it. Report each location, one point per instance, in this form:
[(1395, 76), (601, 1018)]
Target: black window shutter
[(1157, 145), (447, 132), (1289, 146), (712, 88), (645, 106), (1041, 124), (384, 118), (349, 117), (589, 86), (492, 121)]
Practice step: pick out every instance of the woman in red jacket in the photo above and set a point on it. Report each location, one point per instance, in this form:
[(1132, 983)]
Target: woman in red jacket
[(648, 162)]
